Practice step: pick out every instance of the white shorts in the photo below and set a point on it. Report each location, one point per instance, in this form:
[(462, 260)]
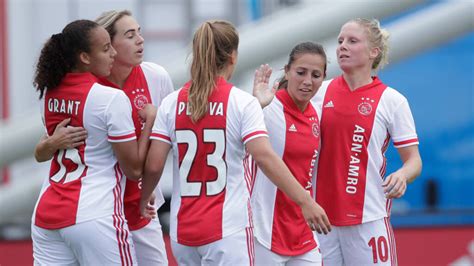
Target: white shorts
[(149, 244), (235, 249), (264, 256), (95, 242), (363, 244)]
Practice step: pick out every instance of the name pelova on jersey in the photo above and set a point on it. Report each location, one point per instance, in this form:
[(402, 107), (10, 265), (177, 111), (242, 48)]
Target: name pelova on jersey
[(215, 108)]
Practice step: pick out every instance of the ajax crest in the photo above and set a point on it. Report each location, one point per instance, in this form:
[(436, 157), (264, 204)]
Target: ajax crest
[(315, 128), (139, 100), (365, 108)]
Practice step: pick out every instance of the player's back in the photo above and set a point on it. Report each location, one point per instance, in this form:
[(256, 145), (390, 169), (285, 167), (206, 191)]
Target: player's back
[(84, 182), (210, 188)]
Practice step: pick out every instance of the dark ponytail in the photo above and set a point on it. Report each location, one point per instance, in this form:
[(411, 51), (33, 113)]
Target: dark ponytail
[(60, 54)]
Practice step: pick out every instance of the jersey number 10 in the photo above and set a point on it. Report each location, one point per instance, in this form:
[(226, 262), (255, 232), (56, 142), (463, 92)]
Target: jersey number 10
[(379, 249)]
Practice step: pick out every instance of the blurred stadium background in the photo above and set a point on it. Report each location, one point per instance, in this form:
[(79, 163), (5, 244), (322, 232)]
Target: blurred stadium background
[(432, 64)]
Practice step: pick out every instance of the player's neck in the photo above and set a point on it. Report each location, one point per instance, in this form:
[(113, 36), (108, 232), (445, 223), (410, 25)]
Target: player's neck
[(119, 74), (357, 79)]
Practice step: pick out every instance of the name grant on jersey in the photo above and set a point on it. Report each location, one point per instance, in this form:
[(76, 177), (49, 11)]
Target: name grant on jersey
[(63, 106), (354, 164), (215, 108)]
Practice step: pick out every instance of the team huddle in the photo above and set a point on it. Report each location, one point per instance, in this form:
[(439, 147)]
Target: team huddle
[(294, 174)]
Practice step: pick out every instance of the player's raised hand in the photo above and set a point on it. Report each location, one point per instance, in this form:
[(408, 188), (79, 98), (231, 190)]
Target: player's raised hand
[(261, 88)]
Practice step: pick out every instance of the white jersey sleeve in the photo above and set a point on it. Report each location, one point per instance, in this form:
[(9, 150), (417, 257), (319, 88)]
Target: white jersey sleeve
[(253, 124), (159, 82), (118, 117), (164, 121), (401, 125)]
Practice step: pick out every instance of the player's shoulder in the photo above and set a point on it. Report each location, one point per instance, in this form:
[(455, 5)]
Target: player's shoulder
[(100, 89), (241, 95), (172, 97), (393, 96), (154, 69), (104, 94)]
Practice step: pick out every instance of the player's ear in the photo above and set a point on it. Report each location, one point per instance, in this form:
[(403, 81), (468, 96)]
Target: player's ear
[(84, 58), (287, 70), (374, 52), (233, 58)]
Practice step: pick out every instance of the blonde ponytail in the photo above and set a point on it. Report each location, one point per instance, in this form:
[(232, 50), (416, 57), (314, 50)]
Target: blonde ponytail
[(378, 37), (213, 44)]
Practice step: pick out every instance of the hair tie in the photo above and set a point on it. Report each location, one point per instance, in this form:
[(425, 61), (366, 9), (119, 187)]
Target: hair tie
[(57, 36)]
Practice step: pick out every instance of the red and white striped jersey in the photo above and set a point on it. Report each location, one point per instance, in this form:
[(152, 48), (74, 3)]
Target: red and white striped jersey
[(84, 183), (356, 128), (147, 83), (279, 223), (211, 192)]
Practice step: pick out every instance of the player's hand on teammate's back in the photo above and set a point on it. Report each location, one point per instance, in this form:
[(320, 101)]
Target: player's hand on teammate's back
[(68, 137), (316, 217)]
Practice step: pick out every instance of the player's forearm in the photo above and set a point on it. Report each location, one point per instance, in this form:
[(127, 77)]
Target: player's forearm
[(411, 158), (155, 163), (150, 180), (276, 170), (45, 149), (144, 142), (411, 168)]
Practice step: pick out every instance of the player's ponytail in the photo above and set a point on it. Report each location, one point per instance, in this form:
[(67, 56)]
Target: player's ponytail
[(378, 38), (213, 45), (60, 54)]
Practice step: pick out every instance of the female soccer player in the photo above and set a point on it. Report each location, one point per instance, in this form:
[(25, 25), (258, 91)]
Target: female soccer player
[(79, 214), (143, 83), (283, 236), (208, 124), (360, 115)]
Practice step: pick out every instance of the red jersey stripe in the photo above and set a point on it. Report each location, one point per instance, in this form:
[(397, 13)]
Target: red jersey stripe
[(254, 135), (128, 136), (405, 142), (161, 137)]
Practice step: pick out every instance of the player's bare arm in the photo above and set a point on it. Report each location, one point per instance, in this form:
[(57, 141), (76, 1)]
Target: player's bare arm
[(395, 184), (155, 163), (131, 156), (276, 170)]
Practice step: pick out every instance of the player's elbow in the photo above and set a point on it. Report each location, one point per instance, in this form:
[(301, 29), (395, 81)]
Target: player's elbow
[(153, 169), (134, 173), (40, 158), (418, 166)]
